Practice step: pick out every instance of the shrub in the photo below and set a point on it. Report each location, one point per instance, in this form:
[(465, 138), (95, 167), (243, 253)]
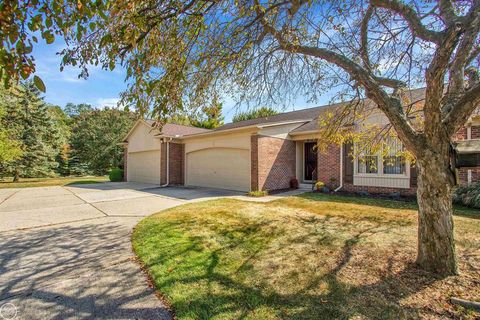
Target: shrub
[(319, 185), (294, 183), (258, 193), (116, 175), (468, 196)]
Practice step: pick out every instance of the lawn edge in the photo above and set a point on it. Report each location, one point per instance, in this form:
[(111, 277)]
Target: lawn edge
[(150, 283)]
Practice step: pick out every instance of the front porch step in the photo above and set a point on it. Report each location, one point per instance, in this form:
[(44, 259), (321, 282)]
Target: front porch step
[(305, 186)]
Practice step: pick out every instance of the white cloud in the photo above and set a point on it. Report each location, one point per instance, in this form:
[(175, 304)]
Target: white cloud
[(107, 102)]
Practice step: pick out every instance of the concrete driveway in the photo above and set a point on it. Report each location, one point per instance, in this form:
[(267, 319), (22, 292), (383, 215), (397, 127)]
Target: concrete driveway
[(65, 252)]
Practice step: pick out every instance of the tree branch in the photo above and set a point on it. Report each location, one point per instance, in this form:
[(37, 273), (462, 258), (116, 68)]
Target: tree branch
[(411, 17), (391, 106), (447, 12), (462, 109), (364, 38)]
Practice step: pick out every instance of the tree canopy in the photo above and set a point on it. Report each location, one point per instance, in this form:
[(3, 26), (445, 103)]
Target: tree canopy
[(254, 113)]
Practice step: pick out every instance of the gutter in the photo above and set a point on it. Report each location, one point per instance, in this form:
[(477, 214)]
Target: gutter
[(341, 170), (167, 162)]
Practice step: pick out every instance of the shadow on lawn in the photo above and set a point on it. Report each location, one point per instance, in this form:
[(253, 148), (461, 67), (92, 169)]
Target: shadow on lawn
[(82, 272), (378, 300), (410, 204)]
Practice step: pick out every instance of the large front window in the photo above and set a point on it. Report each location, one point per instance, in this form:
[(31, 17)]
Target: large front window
[(367, 164), (390, 161)]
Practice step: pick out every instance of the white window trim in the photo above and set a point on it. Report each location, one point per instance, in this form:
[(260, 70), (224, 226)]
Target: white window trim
[(380, 173)]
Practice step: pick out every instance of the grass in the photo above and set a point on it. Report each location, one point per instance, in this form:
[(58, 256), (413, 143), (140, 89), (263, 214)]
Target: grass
[(257, 193), (46, 182), (314, 256)]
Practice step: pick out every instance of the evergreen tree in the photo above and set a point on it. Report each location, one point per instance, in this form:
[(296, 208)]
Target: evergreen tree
[(211, 118), (254, 114), (28, 118), (10, 147), (95, 138)]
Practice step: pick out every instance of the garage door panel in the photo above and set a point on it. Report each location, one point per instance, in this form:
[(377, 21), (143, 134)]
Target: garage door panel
[(222, 168), (144, 167)]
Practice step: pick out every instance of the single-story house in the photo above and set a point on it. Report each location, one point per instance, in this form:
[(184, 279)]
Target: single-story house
[(266, 153)]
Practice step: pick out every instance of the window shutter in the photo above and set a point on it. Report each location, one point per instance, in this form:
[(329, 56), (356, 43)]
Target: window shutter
[(348, 163), (413, 176)]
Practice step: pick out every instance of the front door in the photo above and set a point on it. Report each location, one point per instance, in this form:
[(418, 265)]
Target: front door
[(310, 160)]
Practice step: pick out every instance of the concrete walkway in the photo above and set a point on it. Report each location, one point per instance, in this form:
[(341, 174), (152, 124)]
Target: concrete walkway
[(65, 252)]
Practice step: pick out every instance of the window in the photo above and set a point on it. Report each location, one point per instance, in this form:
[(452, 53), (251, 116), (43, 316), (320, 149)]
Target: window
[(468, 160), (367, 164), (393, 165), (389, 162)]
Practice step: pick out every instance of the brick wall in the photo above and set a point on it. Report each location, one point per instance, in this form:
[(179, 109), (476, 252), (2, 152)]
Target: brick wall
[(275, 162), (463, 175), (175, 163), (329, 173), (461, 134), (379, 190), (328, 166), (463, 172)]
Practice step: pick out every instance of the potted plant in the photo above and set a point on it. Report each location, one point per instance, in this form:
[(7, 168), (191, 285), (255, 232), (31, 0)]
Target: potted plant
[(294, 183), (320, 186)]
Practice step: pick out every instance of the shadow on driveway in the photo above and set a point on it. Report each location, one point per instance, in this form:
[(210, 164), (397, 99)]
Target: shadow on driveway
[(79, 270)]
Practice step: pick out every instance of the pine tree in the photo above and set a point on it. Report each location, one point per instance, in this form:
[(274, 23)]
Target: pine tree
[(28, 118)]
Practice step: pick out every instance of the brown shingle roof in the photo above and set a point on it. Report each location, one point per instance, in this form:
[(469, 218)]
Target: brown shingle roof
[(414, 95), (172, 129), (311, 115)]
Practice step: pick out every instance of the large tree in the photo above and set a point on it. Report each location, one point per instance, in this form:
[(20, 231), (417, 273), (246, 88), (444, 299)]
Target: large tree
[(180, 53), (29, 121), (95, 140)]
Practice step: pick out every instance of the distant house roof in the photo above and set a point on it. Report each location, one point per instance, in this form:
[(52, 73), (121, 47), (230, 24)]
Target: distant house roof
[(172, 129)]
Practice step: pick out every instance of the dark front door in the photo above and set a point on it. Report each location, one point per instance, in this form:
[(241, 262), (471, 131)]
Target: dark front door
[(310, 158)]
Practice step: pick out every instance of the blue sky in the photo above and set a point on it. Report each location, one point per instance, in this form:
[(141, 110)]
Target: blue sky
[(103, 87)]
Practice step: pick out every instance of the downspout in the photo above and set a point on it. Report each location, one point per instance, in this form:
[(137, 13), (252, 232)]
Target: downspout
[(341, 169), (167, 162)]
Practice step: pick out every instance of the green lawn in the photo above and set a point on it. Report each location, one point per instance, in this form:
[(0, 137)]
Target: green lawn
[(46, 182), (308, 257)]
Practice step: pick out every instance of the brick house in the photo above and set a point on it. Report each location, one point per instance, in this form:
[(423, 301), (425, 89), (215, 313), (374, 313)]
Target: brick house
[(267, 153)]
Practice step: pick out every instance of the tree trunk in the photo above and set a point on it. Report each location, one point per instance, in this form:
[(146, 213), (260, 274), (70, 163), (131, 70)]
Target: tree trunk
[(16, 176), (436, 245)]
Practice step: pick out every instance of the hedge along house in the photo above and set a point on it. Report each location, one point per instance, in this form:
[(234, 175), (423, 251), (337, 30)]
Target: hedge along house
[(267, 153)]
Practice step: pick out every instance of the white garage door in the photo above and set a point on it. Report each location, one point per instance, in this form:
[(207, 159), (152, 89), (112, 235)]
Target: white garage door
[(219, 168), (144, 167)]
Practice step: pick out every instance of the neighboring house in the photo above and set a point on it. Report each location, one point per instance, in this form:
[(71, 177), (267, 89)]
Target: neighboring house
[(267, 153)]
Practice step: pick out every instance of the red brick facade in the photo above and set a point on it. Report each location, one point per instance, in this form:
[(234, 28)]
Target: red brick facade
[(328, 167), (175, 163), (273, 163)]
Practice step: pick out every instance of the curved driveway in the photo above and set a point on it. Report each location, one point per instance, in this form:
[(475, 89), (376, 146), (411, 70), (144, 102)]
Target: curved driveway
[(65, 252)]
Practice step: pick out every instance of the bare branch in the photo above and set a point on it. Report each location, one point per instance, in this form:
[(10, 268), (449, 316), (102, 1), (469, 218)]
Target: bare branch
[(391, 106), (411, 17), (462, 109), (447, 12), (364, 38)]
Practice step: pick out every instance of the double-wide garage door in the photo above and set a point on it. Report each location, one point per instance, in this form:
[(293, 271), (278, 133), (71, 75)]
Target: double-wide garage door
[(144, 167), (222, 168)]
